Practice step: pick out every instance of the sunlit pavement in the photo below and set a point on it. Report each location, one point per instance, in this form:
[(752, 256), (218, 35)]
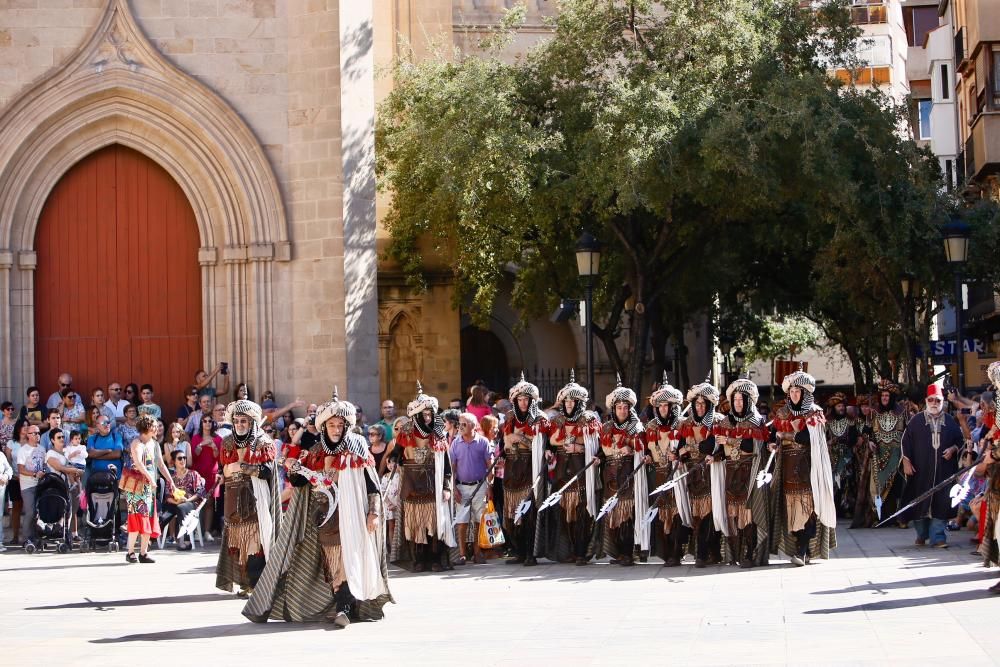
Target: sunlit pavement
[(880, 600)]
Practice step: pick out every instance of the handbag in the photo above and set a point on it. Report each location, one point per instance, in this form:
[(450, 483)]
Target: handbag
[(490, 532), (131, 481)]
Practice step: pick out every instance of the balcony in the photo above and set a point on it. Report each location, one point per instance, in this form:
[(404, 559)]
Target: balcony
[(869, 14), (866, 76), (982, 148)]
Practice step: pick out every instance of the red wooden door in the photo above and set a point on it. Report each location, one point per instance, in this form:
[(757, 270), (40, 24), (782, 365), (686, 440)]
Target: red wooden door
[(118, 285)]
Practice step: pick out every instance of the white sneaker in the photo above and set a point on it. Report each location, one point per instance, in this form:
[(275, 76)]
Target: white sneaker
[(2, 548), (797, 562), (209, 538), (341, 620)]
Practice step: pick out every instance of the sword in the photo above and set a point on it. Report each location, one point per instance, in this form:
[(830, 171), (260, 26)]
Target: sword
[(764, 477), (554, 498), (319, 482), (959, 492), (611, 502), (930, 492), (672, 483), (190, 521)]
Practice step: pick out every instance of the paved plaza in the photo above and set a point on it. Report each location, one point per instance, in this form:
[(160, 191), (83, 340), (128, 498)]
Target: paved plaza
[(880, 601)]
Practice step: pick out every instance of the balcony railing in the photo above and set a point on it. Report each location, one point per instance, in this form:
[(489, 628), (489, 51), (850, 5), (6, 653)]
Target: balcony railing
[(869, 14), (865, 76)]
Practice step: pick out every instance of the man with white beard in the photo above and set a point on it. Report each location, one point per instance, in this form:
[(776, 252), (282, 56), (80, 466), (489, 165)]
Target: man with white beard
[(931, 443)]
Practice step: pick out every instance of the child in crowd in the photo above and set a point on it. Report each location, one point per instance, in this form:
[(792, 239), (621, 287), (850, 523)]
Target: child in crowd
[(76, 452)]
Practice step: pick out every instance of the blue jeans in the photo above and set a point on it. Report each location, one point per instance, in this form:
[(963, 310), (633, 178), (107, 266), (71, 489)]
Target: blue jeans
[(932, 530)]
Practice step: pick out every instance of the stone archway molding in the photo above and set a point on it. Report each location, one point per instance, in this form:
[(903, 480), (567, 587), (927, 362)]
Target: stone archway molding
[(117, 88)]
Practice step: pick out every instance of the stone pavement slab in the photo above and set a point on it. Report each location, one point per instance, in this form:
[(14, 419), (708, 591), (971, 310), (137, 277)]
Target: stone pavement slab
[(879, 601)]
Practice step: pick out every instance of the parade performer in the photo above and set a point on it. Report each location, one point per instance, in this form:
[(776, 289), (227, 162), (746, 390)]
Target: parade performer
[(525, 434), (744, 437), (805, 524), (329, 560), (698, 432), (862, 516), (251, 502), (989, 467), (930, 449), (565, 532), (842, 436), (424, 530), (885, 484), (670, 530), (621, 451)]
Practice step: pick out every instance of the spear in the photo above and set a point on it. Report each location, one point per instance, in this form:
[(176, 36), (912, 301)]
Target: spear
[(611, 502), (931, 491), (554, 498)]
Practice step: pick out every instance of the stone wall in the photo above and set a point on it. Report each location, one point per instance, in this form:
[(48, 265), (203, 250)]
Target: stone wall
[(278, 64)]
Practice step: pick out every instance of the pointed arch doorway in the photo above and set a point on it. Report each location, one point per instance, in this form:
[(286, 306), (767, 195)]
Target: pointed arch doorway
[(118, 292)]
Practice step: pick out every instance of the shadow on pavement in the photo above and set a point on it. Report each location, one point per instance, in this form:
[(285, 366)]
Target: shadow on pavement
[(497, 569), (215, 632), (67, 566), (138, 602), (913, 583), (885, 605)]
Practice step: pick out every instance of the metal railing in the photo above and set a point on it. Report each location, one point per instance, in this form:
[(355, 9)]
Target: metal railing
[(869, 14), (548, 380)]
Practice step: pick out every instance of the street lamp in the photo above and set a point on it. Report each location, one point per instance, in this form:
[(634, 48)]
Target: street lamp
[(739, 361), (725, 346), (906, 281), (588, 261), (955, 235)]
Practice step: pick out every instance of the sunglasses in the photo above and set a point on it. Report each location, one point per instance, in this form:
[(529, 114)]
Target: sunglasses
[(35, 433), (114, 388), (10, 408), (104, 423), (57, 436), (177, 458), (65, 384)]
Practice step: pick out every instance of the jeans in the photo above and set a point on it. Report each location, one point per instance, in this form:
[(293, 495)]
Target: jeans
[(28, 513), (3, 510), (932, 530)]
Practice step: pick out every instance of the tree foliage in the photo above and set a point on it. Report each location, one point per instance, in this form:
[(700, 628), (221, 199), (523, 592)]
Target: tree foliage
[(702, 141)]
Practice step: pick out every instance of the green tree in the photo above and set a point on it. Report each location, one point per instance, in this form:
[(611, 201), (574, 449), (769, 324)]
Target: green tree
[(702, 141)]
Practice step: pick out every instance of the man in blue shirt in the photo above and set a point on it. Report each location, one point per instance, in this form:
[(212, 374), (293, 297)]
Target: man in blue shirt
[(471, 455), (105, 448)]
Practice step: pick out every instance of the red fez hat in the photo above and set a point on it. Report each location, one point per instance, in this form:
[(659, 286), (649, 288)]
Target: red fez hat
[(934, 391)]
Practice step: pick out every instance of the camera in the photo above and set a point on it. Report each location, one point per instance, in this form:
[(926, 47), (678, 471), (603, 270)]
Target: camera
[(225, 367)]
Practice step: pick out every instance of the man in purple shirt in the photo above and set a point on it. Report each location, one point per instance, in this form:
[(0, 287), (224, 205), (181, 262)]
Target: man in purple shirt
[(471, 456)]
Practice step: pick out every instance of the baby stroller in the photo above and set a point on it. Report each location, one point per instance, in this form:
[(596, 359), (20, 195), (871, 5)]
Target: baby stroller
[(102, 511), (52, 506)]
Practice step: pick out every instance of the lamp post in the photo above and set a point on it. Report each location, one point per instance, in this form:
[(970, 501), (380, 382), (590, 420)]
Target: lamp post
[(955, 235), (725, 346), (907, 281), (588, 261)]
